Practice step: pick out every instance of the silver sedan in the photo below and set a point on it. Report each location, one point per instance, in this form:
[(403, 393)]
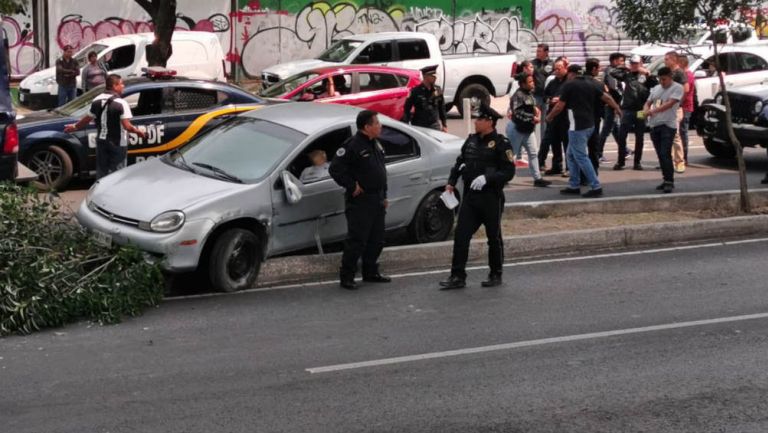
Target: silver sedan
[(232, 197)]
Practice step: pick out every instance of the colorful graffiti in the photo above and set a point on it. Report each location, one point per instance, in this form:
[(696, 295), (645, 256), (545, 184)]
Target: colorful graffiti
[(580, 30), (25, 57), (269, 37), (75, 31), (758, 18)]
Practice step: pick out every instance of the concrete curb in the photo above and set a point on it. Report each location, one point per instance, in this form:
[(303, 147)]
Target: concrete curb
[(303, 269), (691, 201)]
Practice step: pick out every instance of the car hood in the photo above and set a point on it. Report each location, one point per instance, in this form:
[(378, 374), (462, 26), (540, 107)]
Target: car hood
[(284, 70), (39, 117), (757, 90), (143, 191), (30, 79)]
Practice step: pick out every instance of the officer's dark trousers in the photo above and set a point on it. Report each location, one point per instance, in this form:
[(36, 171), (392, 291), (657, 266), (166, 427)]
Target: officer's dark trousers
[(479, 208), (365, 234)]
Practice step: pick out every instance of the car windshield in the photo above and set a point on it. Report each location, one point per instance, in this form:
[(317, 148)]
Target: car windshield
[(339, 51), (82, 55), (691, 37), (80, 105), (288, 85), (241, 150)]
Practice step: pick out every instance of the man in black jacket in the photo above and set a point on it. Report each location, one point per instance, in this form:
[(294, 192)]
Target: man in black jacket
[(486, 164), (359, 167), (427, 102), (637, 83)]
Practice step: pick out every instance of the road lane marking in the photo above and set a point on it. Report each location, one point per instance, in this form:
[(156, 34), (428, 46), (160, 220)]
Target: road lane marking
[(531, 343), (480, 267)]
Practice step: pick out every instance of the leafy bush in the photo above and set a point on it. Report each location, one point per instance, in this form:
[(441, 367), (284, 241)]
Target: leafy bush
[(52, 272)]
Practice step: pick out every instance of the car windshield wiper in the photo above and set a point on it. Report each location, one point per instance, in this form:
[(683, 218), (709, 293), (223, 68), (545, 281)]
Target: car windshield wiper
[(182, 161), (221, 173)]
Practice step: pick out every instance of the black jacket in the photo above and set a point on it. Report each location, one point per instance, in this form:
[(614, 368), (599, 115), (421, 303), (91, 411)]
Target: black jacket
[(491, 156), (360, 160), (429, 107)]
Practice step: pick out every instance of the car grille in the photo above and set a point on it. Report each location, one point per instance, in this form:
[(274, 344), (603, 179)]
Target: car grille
[(268, 79), (116, 218), (742, 107)]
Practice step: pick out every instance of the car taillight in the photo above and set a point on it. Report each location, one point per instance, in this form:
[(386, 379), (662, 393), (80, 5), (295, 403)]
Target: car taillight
[(11, 142), (513, 72)]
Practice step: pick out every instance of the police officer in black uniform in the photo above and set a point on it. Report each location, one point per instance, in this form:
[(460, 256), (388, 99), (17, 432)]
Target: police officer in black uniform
[(486, 164), (359, 167), (427, 103)]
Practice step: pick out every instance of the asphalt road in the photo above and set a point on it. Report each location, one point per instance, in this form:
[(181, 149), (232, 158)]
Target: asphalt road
[(645, 341)]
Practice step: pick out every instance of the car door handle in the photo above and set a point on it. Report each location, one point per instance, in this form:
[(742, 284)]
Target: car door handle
[(416, 176)]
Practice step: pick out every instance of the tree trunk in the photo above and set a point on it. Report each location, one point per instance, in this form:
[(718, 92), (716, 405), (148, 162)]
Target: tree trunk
[(164, 19), (746, 205)]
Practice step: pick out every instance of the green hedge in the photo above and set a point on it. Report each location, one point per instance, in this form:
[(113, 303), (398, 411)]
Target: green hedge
[(52, 273)]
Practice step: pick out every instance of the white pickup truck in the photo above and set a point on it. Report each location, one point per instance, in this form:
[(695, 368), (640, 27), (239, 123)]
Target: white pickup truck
[(476, 76)]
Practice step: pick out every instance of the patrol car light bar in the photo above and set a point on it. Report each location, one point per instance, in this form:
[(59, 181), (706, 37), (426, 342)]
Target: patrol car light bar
[(158, 72)]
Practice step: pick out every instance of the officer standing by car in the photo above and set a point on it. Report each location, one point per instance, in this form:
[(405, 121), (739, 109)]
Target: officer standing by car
[(359, 167), (486, 164), (427, 102)]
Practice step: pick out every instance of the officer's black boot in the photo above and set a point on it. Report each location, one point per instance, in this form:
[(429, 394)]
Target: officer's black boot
[(347, 281), (453, 282), (492, 281)]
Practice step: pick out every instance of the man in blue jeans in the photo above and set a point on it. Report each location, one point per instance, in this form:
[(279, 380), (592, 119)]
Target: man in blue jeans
[(661, 114), (578, 96), (67, 71)]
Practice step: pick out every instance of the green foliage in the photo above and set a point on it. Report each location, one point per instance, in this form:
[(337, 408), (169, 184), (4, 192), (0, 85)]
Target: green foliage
[(9, 7), (52, 273), (666, 20)]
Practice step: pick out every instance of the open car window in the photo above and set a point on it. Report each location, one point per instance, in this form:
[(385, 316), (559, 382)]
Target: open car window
[(302, 167), (398, 146)]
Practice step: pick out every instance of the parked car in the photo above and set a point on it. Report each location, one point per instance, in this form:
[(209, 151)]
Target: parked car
[(700, 36), (376, 88), (195, 54), (232, 197), (169, 109), (476, 76), (9, 138), (749, 116), (743, 65)]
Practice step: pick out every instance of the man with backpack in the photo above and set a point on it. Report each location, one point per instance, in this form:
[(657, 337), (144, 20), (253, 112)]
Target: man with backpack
[(638, 83), (112, 114)]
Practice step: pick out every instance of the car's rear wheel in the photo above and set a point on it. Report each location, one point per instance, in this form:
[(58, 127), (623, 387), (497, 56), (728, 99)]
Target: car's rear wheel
[(433, 221), (235, 260), (476, 93), (53, 166), (719, 150)]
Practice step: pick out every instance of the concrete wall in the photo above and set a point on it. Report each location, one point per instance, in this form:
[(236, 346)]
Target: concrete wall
[(256, 34)]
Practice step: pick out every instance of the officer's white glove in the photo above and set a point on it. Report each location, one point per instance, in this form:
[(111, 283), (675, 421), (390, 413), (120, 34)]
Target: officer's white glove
[(478, 183)]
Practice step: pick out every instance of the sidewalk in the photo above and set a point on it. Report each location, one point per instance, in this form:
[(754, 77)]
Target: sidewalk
[(407, 258)]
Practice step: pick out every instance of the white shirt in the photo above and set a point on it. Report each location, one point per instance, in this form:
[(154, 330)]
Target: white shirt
[(314, 173)]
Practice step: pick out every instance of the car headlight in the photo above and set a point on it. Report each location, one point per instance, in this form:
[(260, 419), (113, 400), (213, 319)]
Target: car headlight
[(166, 221), (46, 82), (89, 195), (758, 107), (719, 98)]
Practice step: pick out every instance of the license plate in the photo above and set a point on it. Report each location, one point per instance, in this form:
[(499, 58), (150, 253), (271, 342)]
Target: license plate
[(101, 238)]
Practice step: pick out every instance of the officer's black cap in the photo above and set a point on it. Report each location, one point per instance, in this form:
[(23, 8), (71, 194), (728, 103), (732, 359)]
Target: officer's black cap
[(485, 111), (429, 70)]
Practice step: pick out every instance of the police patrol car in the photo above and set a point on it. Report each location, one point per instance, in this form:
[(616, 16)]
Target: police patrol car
[(170, 109)]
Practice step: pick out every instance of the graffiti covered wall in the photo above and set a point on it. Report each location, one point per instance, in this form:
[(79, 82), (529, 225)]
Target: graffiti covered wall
[(24, 55), (260, 33)]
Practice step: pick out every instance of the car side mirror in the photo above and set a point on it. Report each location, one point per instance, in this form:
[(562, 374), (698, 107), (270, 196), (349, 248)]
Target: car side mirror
[(291, 185), (700, 74)]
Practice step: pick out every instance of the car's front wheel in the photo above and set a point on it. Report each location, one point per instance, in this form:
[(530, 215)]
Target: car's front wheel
[(719, 150), (235, 260), (53, 166), (433, 221)]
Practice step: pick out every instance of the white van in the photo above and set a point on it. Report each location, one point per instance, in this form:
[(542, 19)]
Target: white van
[(195, 55)]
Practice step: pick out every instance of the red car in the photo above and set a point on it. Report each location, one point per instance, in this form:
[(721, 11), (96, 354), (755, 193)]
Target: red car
[(378, 88)]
